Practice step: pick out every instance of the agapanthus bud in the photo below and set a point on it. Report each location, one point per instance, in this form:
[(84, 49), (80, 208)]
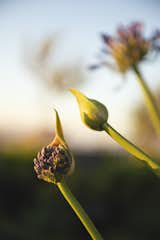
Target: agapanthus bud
[(55, 160), (93, 113)]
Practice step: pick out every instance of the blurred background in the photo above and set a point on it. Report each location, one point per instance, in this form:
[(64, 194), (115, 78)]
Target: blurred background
[(45, 48)]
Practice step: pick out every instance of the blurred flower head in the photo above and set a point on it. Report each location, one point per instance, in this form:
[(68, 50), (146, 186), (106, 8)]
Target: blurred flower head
[(129, 47), (55, 73), (54, 161)]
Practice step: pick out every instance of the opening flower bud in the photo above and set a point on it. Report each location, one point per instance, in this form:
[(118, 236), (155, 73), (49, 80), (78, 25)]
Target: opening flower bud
[(55, 160), (52, 163), (93, 113)]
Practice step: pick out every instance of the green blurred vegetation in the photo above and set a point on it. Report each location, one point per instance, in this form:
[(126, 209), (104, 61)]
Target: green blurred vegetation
[(120, 194), (145, 134)]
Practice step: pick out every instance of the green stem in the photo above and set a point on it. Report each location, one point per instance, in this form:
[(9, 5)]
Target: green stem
[(130, 147), (150, 101), (84, 218)]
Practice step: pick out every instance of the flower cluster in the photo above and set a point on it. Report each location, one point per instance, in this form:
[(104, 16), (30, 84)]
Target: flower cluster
[(52, 163), (129, 46)]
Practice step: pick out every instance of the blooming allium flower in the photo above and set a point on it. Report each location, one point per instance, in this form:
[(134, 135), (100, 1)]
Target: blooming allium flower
[(129, 46)]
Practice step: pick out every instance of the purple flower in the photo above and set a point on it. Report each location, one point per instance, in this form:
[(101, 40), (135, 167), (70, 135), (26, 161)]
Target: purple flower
[(52, 163), (130, 46)]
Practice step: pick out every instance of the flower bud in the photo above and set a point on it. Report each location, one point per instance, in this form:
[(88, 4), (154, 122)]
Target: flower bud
[(55, 160), (93, 113)]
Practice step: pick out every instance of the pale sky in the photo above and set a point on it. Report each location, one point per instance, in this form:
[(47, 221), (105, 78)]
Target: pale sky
[(22, 103)]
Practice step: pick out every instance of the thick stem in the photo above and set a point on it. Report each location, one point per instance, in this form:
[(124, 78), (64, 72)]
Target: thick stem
[(130, 147), (84, 218), (150, 101)]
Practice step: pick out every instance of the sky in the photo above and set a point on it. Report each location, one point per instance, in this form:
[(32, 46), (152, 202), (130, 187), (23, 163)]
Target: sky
[(23, 104)]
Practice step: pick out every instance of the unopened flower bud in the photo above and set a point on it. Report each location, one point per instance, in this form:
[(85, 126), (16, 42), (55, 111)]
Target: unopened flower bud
[(55, 160), (93, 113)]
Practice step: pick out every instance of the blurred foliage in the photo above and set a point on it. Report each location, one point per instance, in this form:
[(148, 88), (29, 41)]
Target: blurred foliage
[(144, 132), (44, 60), (121, 196)]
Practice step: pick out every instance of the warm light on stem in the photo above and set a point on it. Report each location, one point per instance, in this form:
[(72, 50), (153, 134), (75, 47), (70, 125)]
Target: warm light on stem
[(130, 147), (84, 218), (150, 101)]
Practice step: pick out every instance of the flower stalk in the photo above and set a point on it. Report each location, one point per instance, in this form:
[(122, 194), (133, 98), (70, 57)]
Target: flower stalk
[(84, 218), (149, 99), (130, 147)]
